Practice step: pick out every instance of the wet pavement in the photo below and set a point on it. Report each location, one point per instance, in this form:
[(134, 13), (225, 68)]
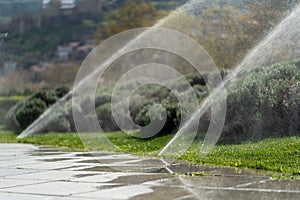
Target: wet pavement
[(29, 172)]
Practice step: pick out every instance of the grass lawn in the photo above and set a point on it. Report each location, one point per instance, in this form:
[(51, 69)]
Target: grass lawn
[(278, 155), (12, 98)]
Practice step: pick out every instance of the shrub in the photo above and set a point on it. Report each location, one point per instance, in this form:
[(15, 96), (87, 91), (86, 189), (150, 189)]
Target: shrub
[(27, 111), (48, 97), (173, 116), (265, 104), (200, 79), (102, 99), (60, 124), (31, 110), (62, 91), (201, 91), (105, 118), (10, 117), (196, 79)]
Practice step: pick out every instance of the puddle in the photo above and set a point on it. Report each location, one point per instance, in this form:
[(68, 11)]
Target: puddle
[(279, 185), (92, 154), (161, 171), (139, 179), (99, 169), (106, 187), (104, 161), (44, 154), (188, 169), (120, 168), (166, 193), (83, 175), (48, 150), (56, 159), (149, 162)]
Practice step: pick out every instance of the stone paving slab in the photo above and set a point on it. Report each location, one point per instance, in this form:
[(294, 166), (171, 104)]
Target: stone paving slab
[(4, 172), (54, 175), (118, 193), (59, 188), (29, 172), (9, 183)]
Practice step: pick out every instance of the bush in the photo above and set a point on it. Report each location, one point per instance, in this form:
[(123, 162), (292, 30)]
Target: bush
[(31, 110), (196, 79), (62, 91), (27, 111), (10, 117), (173, 116), (200, 79), (103, 99), (60, 124), (265, 104), (48, 97), (105, 118)]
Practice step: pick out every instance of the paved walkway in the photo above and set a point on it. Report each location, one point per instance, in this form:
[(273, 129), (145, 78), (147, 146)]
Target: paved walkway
[(29, 172)]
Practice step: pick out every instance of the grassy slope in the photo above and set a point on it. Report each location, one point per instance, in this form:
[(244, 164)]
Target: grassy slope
[(278, 155)]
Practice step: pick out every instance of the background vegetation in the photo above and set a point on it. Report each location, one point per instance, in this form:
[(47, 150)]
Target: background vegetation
[(264, 104)]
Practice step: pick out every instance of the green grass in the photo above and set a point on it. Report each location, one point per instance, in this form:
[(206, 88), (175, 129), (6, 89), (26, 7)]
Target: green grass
[(277, 154), (72, 140), (12, 98)]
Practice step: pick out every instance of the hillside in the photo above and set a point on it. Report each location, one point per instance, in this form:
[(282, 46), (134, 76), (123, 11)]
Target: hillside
[(35, 37)]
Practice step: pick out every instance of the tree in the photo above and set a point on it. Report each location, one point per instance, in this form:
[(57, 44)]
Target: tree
[(266, 14), (67, 73), (228, 32), (221, 31), (16, 83), (133, 14)]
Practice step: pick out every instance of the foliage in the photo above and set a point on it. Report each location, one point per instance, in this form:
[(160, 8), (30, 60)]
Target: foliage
[(266, 14), (229, 29), (61, 124), (173, 115), (265, 104), (16, 83), (62, 91), (67, 74), (132, 14), (106, 121), (221, 31), (5, 104), (102, 99), (48, 97), (39, 44), (30, 112)]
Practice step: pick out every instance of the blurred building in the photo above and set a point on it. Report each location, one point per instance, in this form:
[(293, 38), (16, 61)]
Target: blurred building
[(13, 8)]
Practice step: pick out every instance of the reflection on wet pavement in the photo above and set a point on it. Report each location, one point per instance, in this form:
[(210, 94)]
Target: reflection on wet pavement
[(29, 172)]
